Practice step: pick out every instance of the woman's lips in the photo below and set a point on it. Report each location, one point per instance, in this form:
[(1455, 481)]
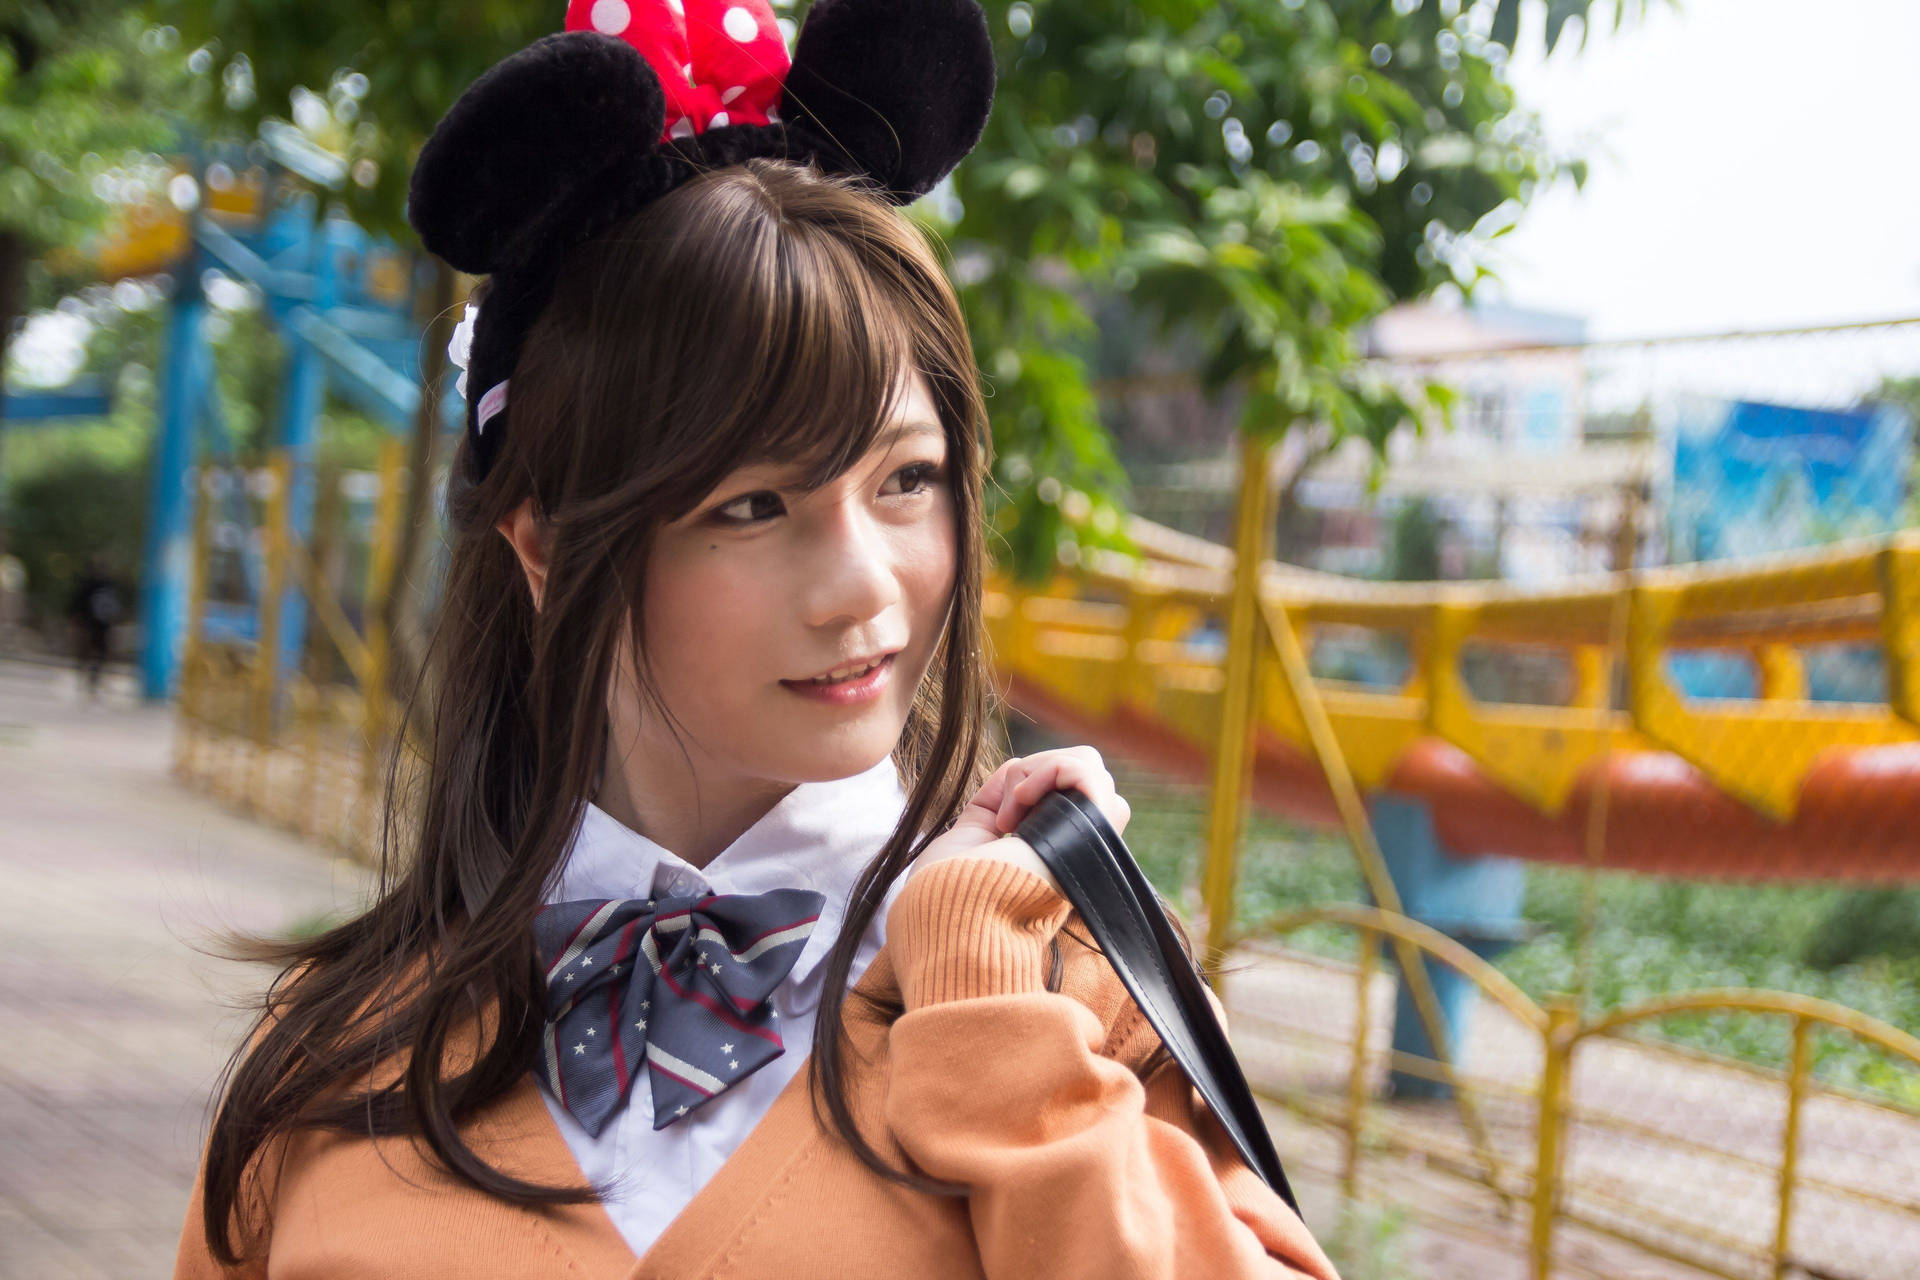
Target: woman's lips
[(845, 693)]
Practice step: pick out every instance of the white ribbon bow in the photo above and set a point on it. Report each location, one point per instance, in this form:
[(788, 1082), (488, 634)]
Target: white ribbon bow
[(460, 350)]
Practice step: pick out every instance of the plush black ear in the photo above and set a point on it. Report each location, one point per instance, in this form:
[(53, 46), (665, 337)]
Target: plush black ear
[(898, 90), (568, 113)]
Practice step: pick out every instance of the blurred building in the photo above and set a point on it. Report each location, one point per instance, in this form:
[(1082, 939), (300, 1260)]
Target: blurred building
[(1527, 483)]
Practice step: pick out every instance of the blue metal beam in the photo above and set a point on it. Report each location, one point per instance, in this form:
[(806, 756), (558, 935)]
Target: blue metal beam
[(169, 544), (319, 279), (76, 400)]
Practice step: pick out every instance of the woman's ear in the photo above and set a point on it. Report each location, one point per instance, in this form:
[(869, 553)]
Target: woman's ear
[(527, 534)]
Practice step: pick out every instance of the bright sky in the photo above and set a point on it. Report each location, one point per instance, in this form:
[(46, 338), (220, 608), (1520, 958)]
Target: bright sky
[(1754, 167)]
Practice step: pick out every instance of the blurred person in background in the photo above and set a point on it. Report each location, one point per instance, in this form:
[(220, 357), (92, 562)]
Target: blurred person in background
[(92, 611)]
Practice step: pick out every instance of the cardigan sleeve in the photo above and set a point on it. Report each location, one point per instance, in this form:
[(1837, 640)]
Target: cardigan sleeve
[(1077, 1167)]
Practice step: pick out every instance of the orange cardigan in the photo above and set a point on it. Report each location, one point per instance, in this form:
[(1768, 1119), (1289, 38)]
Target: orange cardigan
[(1030, 1097)]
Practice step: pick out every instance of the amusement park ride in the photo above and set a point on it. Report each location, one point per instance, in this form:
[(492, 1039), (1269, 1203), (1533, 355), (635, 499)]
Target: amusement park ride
[(345, 305)]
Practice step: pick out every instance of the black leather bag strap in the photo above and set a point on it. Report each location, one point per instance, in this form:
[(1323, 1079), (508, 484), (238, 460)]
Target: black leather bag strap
[(1097, 873)]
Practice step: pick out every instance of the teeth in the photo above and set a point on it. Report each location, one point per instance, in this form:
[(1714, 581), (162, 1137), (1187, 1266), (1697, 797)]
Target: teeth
[(842, 673)]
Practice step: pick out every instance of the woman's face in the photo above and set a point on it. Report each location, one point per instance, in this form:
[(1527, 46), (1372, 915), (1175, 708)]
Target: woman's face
[(761, 587)]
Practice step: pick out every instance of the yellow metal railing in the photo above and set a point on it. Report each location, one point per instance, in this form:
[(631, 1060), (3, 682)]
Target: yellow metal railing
[(281, 746), (1553, 1092), (1757, 750)]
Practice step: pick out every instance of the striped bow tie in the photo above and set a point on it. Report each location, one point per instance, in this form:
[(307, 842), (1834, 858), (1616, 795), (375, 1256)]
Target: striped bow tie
[(681, 983)]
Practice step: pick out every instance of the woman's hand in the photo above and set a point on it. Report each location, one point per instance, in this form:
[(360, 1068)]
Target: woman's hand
[(984, 827)]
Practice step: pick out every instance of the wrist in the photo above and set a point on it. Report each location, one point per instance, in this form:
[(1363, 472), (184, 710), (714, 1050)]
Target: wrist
[(973, 926)]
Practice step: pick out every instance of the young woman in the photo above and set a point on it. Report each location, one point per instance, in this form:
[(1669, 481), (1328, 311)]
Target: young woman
[(713, 955)]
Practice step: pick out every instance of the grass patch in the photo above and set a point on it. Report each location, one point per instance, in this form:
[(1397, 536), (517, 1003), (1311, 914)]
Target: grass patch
[(1655, 936)]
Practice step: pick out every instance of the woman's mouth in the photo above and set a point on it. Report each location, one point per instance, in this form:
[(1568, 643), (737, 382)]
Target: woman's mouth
[(859, 686)]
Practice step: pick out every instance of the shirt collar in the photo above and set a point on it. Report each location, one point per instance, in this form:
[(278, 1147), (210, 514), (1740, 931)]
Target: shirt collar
[(819, 836)]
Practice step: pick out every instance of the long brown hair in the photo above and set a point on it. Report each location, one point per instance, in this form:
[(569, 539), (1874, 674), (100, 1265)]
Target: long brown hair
[(760, 312)]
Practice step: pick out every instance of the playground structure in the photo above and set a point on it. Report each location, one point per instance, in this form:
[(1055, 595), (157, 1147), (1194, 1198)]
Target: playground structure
[(353, 313), (1775, 787)]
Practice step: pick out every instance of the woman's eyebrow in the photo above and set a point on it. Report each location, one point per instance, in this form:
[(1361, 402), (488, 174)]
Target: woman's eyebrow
[(900, 430), (887, 439)]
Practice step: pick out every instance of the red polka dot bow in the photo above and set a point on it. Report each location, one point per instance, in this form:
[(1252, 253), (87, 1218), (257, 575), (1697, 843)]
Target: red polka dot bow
[(720, 62)]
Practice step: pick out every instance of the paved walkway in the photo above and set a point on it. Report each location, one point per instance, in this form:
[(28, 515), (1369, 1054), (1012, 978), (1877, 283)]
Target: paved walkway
[(112, 1027)]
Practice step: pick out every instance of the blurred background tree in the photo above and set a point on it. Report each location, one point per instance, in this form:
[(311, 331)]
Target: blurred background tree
[(1258, 177), (87, 92), (1261, 178), (1234, 188), (1413, 543)]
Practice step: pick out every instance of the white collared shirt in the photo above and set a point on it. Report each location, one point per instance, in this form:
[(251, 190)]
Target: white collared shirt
[(818, 837)]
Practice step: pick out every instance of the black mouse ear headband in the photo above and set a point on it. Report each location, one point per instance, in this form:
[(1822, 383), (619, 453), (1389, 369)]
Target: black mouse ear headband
[(584, 127)]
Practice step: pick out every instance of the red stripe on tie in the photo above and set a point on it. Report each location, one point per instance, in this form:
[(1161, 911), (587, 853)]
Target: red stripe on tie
[(585, 920), (654, 1066), (614, 989), (677, 912), (568, 944), (716, 1009)]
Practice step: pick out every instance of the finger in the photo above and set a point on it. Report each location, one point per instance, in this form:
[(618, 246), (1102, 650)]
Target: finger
[(1095, 783), (1033, 784), (1016, 771), (1060, 773), (1007, 813), (994, 788)]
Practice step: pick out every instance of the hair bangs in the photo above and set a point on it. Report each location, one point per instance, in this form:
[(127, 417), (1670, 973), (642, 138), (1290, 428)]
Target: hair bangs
[(842, 346), (789, 348)]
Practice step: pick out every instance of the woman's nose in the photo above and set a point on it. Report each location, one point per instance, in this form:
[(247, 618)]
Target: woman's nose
[(852, 569)]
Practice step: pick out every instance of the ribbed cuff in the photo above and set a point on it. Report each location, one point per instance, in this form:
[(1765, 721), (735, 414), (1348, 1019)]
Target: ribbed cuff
[(968, 927)]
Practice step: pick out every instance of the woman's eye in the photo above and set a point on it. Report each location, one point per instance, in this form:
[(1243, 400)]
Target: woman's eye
[(721, 511), (917, 478), (920, 476)]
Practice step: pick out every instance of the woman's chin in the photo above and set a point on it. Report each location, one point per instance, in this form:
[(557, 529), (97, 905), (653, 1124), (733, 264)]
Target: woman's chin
[(826, 758)]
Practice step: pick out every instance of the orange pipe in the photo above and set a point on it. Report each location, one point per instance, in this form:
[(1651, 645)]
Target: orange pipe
[(1857, 818)]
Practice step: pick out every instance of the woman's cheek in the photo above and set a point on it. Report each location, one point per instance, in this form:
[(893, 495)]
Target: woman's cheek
[(710, 624), (929, 570)]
